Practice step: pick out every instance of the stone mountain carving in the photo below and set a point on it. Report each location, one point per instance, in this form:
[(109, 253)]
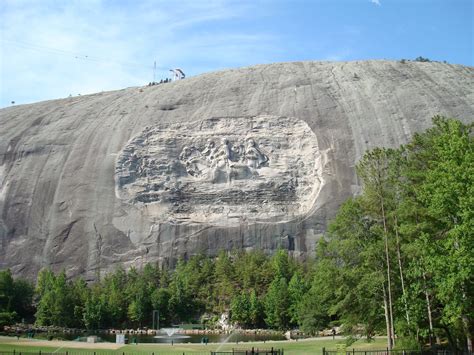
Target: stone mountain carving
[(222, 170), (226, 162), (86, 187)]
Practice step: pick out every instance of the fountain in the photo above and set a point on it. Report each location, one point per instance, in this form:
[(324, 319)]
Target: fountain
[(170, 331), (171, 334)]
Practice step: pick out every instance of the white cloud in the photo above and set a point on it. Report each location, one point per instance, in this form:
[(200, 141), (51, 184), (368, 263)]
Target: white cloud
[(376, 2)]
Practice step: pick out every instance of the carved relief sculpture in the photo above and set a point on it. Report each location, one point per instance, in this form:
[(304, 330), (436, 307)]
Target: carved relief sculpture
[(180, 174)]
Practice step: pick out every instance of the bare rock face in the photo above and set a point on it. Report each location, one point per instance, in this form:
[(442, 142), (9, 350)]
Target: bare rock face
[(258, 157)]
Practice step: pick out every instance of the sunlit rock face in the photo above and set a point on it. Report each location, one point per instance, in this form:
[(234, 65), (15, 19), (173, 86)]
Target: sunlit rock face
[(250, 158), (222, 171)]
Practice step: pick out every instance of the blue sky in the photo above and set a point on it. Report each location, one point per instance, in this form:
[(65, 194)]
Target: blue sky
[(52, 49)]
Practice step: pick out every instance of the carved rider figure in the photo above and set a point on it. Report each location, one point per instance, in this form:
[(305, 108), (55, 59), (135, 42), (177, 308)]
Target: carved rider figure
[(255, 158), (190, 156), (223, 154), (238, 152), (210, 150)]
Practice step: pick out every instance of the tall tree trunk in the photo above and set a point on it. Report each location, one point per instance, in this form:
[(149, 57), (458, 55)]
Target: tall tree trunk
[(389, 283), (469, 335), (467, 323), (402, 279), (387, 319), (428, 308)]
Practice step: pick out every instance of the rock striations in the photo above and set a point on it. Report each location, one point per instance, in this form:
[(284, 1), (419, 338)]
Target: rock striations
[(258, 157)]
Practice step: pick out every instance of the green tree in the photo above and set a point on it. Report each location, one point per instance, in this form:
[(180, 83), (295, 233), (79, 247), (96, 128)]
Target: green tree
[(139, 308), (160, 299), (114, 285), (255, 310), (46, 300), (138, 290), (281, 265), (314, 310), (296, 291), (181, 302), (62, 314), (94, 315), (224, 281), (198, 273), (7, 314), (59, 300), (349, 275), (79, 294), (253, 271), (277, 304), (376, 172), (240, 308), (440, 169)]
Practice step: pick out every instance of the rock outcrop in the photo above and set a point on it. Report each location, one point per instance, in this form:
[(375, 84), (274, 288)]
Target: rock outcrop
[(258, 157)]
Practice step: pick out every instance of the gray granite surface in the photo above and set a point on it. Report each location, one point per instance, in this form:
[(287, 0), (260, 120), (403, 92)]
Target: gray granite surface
[(258, 157)]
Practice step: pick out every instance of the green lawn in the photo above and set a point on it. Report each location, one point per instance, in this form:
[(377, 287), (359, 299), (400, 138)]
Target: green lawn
[(303, 347)]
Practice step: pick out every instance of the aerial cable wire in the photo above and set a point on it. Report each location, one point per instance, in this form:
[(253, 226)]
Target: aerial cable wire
[(76, 55)]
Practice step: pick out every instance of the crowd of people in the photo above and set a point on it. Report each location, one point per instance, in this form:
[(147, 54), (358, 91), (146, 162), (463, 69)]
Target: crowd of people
[(162, 81)]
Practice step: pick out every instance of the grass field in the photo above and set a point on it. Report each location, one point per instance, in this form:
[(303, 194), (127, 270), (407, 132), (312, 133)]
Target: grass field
[(303, 347)]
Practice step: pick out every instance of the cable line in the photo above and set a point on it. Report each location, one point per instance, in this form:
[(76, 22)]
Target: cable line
[(76, 55)]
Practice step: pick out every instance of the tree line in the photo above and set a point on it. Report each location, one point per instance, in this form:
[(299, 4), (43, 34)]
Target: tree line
[(257, 290), (397, 260), (400, 255)]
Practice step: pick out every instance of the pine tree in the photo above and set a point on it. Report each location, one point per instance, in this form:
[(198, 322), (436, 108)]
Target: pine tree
[(277, 304)]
